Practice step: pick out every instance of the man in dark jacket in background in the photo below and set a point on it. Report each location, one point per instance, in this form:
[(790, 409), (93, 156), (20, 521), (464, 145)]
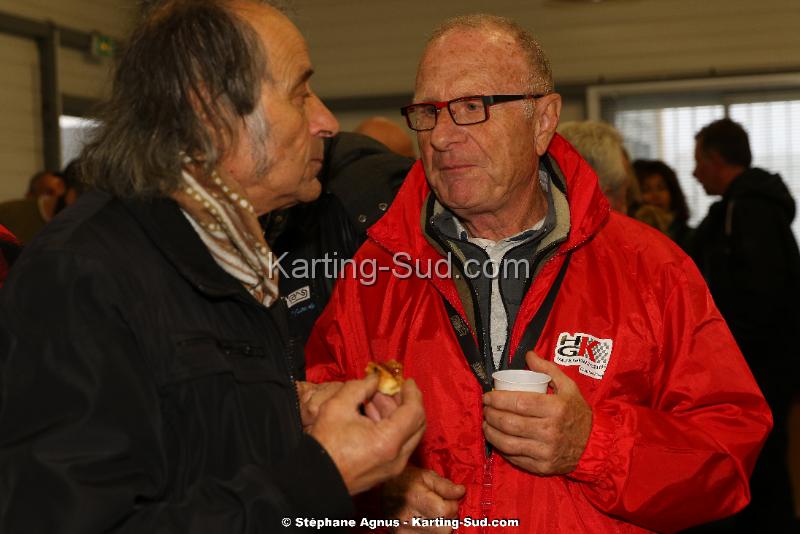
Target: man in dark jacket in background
[(360, 178), (145, 352), (746, 251)]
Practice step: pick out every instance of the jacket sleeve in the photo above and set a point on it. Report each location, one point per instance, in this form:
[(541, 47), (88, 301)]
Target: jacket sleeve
[(687, 457), (82, 438)]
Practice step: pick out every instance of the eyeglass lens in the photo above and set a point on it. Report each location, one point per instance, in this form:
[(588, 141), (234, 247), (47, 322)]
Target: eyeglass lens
[(463, 111)]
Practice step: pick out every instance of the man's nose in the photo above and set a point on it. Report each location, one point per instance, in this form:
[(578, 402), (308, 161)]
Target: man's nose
[(446, 131), (321, 121)]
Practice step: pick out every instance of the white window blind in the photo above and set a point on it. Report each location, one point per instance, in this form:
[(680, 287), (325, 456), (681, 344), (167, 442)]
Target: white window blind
[(75, 133), (774, 130), (668, 134), (663, 126)]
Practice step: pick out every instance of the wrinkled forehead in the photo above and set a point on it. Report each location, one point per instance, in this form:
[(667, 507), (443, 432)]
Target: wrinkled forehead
[(284, 45), (471, 61)]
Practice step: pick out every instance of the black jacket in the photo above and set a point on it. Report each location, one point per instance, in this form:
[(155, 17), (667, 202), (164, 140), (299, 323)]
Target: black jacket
[(360, 179), (144, 390), (747, 253)]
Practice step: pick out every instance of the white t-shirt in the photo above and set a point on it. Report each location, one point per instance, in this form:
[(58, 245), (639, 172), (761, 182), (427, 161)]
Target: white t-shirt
[(498, 318)]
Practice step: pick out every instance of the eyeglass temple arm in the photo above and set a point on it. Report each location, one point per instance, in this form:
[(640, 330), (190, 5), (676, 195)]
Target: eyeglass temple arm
[(497, 99)]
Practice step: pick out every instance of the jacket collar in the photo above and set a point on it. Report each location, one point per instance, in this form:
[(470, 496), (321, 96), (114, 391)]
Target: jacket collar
[(400, 230), (170, 231)]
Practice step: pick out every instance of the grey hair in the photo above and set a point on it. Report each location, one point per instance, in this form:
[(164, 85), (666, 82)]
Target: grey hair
[(601, 145), (539, 78), (191, 73)]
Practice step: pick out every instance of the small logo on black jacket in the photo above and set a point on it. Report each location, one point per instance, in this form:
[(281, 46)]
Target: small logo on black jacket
[(589, 353), (297, 296)]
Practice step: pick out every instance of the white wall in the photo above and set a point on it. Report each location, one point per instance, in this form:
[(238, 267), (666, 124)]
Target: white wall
[(366, 47), (21, 134), (371, 47), (109, 17), (21, 152)]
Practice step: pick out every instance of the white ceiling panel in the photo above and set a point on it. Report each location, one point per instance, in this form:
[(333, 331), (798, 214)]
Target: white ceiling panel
[(372, 47)]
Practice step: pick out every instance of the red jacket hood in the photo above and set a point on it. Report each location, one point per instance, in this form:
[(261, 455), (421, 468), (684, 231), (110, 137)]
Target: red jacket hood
[(399, 230)]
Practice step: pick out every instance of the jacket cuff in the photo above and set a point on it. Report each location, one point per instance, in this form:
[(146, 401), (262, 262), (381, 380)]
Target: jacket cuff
[(594, 463), (312, 482)]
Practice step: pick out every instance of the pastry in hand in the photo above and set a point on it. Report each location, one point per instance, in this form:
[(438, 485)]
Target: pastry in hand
[(390, 376)]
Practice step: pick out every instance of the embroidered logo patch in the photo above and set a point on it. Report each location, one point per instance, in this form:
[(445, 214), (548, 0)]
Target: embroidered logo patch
[(297, 296), (589, 353)]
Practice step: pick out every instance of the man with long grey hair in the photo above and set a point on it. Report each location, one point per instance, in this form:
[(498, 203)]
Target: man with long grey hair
[(145, 377)]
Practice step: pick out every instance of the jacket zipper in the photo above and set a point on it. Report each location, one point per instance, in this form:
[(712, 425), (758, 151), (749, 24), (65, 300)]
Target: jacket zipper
[(487, 501), (487, 487), (290, 342), (483, 330), (288, 360)]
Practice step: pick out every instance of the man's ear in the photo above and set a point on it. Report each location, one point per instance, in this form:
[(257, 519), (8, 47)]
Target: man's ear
[(546, 115)]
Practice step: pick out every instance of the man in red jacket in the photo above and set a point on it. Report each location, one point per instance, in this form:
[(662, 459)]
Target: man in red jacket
[(500, 251)]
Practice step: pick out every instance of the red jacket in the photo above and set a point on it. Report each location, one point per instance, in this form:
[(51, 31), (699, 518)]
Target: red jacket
[(7, 239), (677, 418)]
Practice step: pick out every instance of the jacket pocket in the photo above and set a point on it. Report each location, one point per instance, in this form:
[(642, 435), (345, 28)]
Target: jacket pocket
[(196, 356), (224, 403)]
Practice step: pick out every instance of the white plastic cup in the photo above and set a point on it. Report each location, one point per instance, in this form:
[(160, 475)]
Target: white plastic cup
[(520, 380)]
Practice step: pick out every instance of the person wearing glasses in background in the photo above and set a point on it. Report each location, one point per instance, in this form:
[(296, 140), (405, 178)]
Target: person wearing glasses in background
[(653, 421)]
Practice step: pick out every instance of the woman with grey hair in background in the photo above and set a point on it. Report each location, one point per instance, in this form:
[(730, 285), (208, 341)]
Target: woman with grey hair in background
[(600, 144)]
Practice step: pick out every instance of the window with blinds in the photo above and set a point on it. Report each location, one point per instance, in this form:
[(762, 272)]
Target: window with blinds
[(668, 134), (774, 131), (663, 125), (75, 132)]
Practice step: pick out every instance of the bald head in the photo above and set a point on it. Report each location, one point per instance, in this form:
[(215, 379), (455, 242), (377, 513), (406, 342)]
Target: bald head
[(485, 171), (537, 76), (389, 133)]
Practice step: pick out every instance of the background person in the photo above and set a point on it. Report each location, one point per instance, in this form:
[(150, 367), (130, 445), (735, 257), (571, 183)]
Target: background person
[(47, 183), (660, 188), (48, 194), (388, 133), (747, 253), (600, 144), (27, 216), (360, 178)]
